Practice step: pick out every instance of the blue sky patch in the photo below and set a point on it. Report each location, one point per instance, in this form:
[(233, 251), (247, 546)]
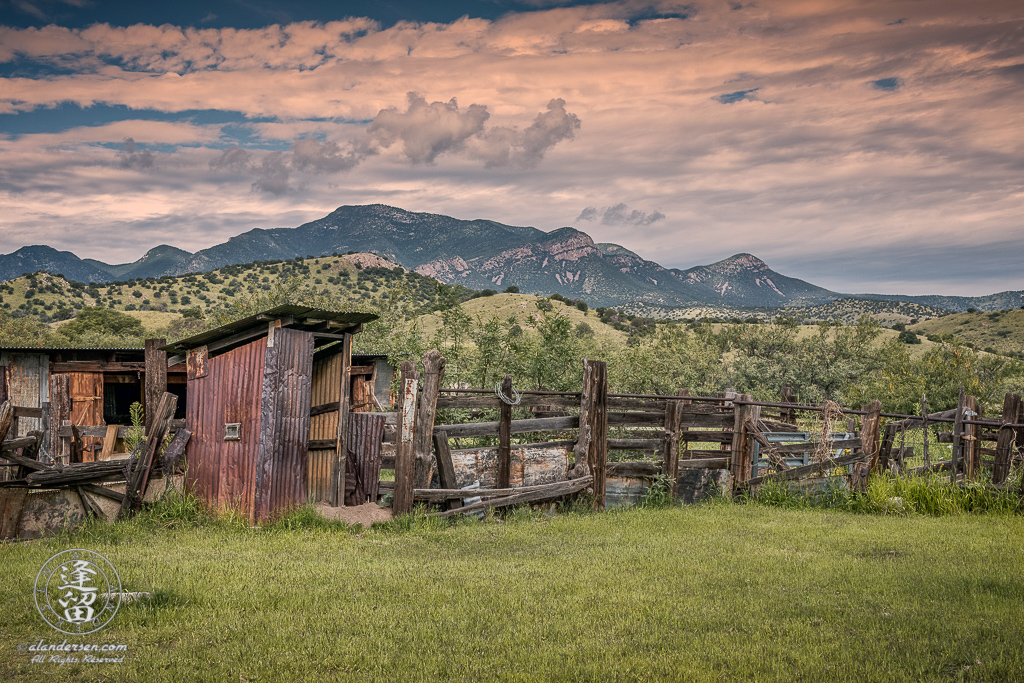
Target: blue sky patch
[(732, 97), (890, 84)]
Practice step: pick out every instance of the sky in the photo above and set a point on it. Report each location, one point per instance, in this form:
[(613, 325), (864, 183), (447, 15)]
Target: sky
[(864, 146)]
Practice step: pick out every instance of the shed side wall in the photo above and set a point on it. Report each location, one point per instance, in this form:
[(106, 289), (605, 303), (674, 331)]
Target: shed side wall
[(221, 472)]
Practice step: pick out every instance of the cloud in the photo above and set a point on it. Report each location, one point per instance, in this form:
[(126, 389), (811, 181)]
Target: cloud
[(620, 214), (131, 156), (427, 130), (420, 134)]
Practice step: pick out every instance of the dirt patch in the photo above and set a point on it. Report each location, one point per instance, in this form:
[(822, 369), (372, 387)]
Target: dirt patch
[(365, 514)]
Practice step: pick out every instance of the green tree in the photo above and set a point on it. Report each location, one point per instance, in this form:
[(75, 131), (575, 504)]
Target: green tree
[(103, 321)]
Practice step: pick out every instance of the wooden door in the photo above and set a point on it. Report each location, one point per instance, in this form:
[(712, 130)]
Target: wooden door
[(86, 394)]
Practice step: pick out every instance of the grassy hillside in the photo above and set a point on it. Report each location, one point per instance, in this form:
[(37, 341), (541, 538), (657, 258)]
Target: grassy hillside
[(521, 307), (998, 331), (358, 280), (847, 311)]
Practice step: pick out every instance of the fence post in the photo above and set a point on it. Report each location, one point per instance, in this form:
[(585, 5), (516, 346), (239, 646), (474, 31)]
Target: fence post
[(972, 447), (670, 442), (1004, 444), (870, 425), (405, 459), (433, 373), (788, 415), (594, 404), (505, 436), (958, 433), (739, 412)]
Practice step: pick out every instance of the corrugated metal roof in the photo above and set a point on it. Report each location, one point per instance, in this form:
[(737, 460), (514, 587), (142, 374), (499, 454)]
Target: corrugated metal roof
[(302, 315), (48, 349)]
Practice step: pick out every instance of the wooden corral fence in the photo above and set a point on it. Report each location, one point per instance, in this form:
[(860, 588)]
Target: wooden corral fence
[(546, 445)]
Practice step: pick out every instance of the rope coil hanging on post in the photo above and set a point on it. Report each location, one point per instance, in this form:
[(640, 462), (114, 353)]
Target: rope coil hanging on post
[(500, 394)]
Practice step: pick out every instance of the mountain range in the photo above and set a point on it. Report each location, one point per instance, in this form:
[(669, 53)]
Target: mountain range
[(483, 254)]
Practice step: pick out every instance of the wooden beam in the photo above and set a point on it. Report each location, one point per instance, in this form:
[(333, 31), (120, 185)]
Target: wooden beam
[(972, 444), (597, 451), (670, 443), (109, 441), (813, 468), (156, 378)]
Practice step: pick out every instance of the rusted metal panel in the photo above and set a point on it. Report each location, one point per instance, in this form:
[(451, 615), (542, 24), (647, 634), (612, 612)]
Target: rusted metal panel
[(366, 432), (196, 363), (326, 388), (223, 472), (281, 474), (529, 466), (27, 384)]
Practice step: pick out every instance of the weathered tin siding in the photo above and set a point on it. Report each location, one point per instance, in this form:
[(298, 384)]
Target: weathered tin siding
[(28, 384), (223, 472), (281, 476), (326, 389)]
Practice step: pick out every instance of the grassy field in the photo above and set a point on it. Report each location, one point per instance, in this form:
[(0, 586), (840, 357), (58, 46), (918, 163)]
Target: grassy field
[(1001, 331), (711, 593)]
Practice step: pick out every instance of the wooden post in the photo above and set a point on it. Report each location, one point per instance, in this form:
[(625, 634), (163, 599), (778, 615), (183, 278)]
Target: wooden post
[(338, 474), (4, 392), (405, 458), (580, 466), (156, 378), (44, 444), (971, 440), (445, 467), (433, 374), (595, 380), (670, 442), (885, 450), (788, 414), (1004, 443), (958, 433), (739, 475), (60, 411), (505, 436), (870, 426), (924, 429)]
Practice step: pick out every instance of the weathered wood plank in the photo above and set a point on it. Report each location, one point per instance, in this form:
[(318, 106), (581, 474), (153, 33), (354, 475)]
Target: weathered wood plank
[(636, 444), (60, 411), (637, 469), (445, 468), (478, 402), (536, 424), (136, 488), (430, 380), (405, 462), (338, 467), (813, 468), (556, 490), (109, 441)]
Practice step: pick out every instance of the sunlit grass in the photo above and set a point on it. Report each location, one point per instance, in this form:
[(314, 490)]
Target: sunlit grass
[(715, 592)]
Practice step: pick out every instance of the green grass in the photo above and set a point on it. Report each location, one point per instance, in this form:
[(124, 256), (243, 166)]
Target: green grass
[(1001, 331), (708, 593)]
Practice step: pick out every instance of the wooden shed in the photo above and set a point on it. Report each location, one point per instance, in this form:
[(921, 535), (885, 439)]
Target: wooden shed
[(92, 388), (265, 399)]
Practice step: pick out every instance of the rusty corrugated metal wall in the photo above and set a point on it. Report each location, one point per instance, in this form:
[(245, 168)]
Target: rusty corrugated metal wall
[(223, 472), (326, 389), (281, 476)]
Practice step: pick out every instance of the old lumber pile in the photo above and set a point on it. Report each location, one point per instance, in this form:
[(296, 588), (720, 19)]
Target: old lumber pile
[(85, 477)]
